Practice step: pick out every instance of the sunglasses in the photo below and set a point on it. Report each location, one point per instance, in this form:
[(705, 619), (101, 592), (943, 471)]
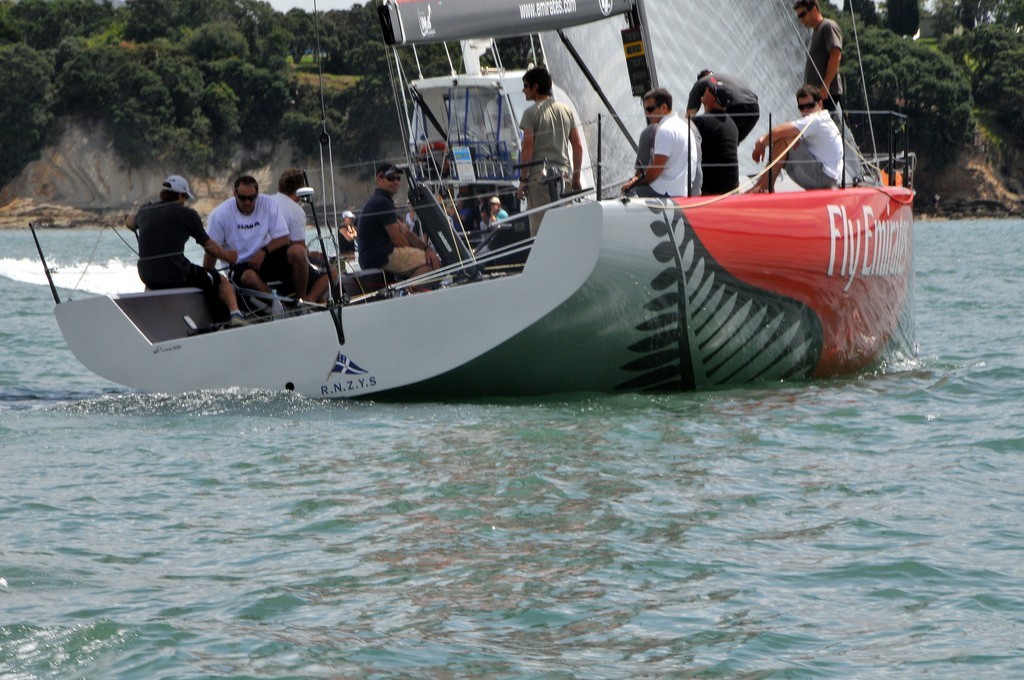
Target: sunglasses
[(392, 178), (806, 107), (801, 14), (246, 199), (651, 109)]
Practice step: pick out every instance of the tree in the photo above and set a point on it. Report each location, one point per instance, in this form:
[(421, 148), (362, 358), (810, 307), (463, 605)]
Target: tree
[(865, 9), (217, 40), (26, 78), (992, 57), (148, 20), (903, 17), (9, 31), (1010, 13), (946, 15), (925, 85), (975, 12), (44, 23), (976, 53), (302, 31)]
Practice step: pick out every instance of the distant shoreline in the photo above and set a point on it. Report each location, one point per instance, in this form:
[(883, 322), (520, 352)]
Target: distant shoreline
[(52, 217)]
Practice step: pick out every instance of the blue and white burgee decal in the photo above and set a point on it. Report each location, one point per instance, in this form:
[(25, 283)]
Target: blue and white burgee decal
[(346, 366)]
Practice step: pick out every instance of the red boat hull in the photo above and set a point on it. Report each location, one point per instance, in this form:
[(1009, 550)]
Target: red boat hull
[(847, 255)]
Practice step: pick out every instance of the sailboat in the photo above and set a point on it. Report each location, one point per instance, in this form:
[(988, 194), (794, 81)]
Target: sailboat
[(613, 294)]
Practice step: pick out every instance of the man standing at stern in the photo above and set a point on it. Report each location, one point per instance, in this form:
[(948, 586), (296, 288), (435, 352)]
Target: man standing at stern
[(550, 129)]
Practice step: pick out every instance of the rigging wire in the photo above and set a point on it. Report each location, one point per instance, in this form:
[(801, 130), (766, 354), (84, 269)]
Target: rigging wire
[(325, 141), (88, 262), (863, 83), (856, 40)]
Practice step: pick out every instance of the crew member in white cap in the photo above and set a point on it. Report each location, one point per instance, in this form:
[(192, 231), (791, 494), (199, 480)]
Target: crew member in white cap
[(163, 229), (347, 235)]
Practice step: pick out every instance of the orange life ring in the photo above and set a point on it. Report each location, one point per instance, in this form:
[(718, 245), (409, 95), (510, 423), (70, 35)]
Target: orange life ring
[(433, 148)]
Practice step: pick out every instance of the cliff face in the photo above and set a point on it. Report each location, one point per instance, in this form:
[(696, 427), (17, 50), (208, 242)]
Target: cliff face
[(80, 181)]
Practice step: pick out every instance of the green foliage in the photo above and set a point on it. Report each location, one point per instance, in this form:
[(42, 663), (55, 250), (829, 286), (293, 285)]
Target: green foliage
[(992, 56), (972, 13), (903, 17), (923, 84), (25, 79), (189, 81), (946, 16), (302, 32), (216, 41), (9, 31), (44, 23), (865, 9)]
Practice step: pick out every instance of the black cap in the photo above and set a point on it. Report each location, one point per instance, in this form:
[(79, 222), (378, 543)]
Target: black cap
[(388, 169), (721, 91)]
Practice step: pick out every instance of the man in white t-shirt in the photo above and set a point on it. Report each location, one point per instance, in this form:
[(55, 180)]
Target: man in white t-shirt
[(251, 224), (309, 283), (674, 161), (816, 161)]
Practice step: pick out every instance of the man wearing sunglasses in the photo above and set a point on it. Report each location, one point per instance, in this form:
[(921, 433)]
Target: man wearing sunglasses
[(251, 223), (385, 241), (815, 162), (674, 169), (551, 132), (824, 53)]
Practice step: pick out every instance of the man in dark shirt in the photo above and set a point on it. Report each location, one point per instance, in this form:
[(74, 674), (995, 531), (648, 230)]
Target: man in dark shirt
[(719, 139), (742, 107), (385, 242), (163, 229), (347, 234)]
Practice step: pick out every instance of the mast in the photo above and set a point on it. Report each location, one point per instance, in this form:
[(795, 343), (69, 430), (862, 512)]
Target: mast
[(640, 14)]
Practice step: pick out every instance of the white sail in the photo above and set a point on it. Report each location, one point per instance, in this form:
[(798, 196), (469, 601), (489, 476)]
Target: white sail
[(763, 46)]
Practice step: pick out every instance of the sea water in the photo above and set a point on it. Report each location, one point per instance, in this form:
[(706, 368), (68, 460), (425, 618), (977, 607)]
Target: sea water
[(862, 527)]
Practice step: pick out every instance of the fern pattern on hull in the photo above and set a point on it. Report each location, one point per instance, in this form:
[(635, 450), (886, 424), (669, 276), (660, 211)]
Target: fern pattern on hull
[(708, 329)]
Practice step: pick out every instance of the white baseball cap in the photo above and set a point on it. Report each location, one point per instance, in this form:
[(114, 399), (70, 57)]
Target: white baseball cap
[(179, 184), (348, 213)]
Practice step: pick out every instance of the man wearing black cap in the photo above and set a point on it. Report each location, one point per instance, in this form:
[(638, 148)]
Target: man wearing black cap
[(742, 107), (718, 140), (163, 228), (385, 242)]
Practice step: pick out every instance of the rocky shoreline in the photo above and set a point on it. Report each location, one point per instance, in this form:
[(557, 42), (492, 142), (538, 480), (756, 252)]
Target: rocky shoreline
[(19, 213), (81, 183)]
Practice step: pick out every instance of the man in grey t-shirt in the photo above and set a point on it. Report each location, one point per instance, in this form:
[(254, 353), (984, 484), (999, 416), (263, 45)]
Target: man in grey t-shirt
[(824, 54), (550, 129)]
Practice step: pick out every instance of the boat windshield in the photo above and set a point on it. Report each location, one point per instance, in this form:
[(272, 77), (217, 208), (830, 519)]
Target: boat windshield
[(476, 124)]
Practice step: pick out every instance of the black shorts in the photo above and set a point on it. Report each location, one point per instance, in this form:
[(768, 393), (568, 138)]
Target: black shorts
[(315, 274), (206, 280), (745, 116), (274, 268)]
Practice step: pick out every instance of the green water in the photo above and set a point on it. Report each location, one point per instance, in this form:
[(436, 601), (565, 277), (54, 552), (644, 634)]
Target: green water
[(865, 527)]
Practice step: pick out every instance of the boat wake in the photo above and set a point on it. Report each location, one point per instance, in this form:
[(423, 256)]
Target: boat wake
[(115, 276), (227, 402)]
